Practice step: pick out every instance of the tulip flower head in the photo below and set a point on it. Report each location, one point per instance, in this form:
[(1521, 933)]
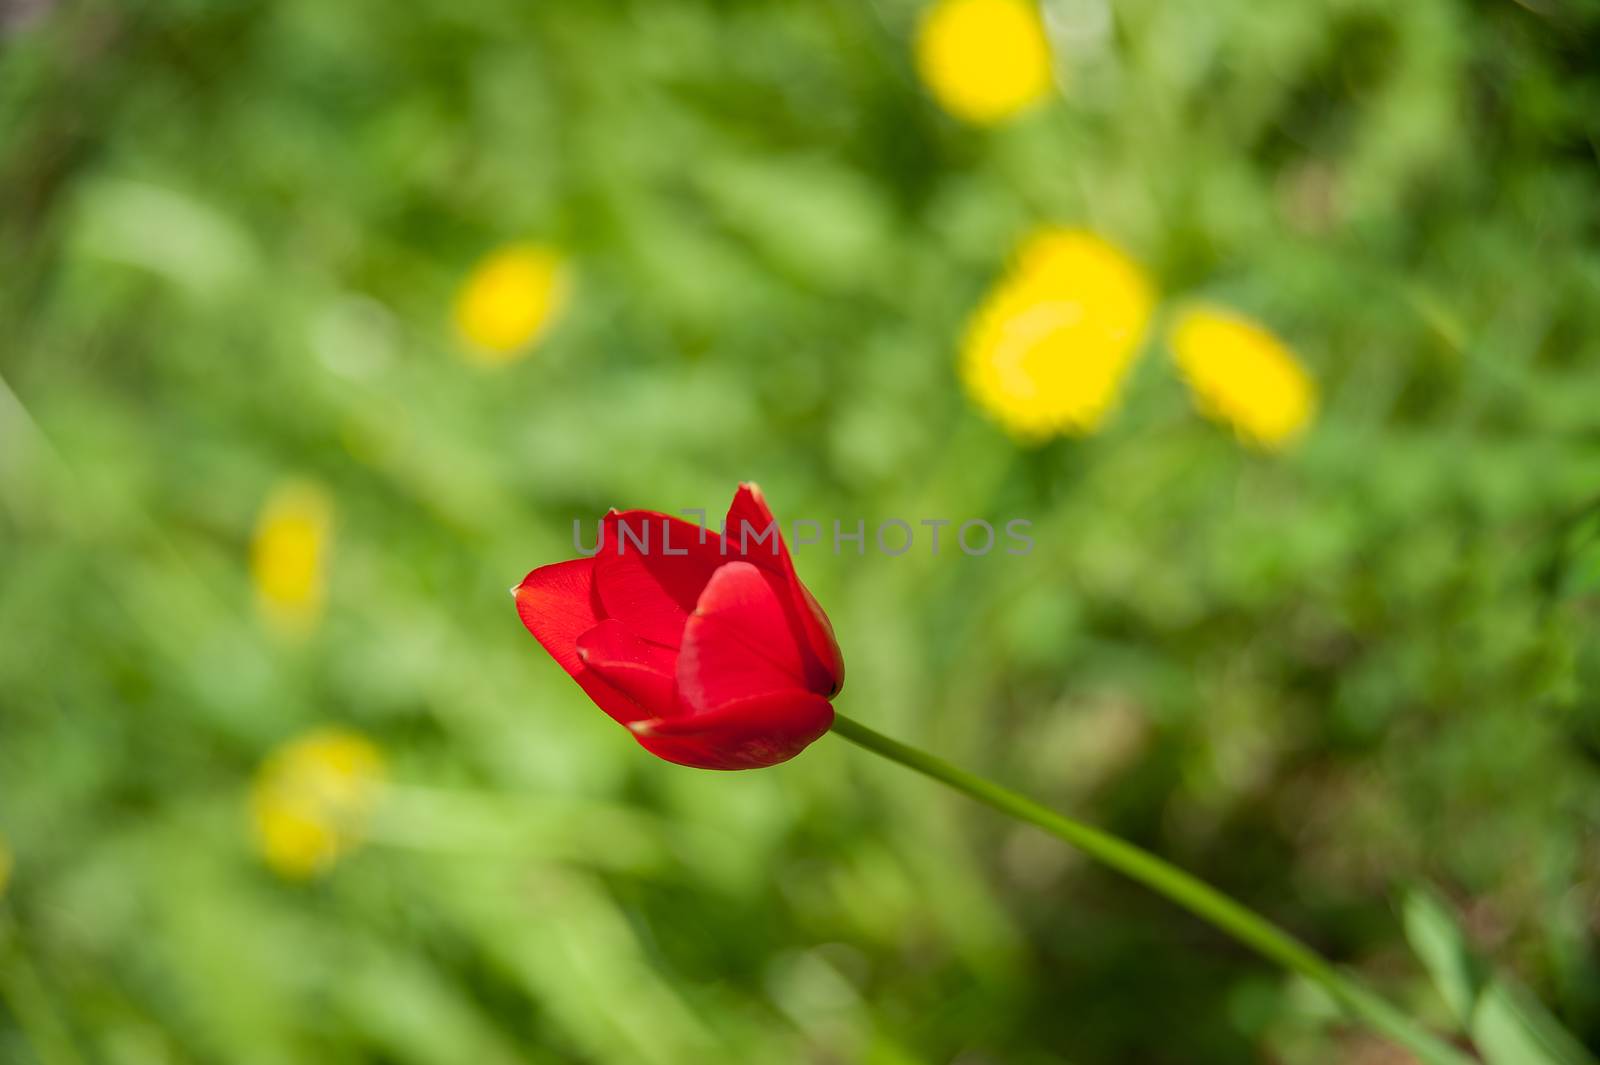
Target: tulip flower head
[(706, 646)]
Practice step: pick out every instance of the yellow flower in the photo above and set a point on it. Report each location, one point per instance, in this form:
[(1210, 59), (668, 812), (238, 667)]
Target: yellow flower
[(509, 300), (984, 60), (1049, 348), (289, 556), (312, 798), (1241, 374)]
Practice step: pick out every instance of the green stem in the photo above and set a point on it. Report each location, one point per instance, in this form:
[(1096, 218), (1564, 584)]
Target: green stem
[(1194, 895)]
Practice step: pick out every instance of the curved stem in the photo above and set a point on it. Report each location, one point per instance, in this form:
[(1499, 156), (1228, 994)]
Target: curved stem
[(1193, 894)]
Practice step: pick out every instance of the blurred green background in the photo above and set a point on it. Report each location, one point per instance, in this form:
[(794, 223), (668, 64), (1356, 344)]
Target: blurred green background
[(232, 235)]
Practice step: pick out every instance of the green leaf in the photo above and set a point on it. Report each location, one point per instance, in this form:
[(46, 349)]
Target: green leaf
[(1511, 1027), (1508, 1025), (1437, 941)]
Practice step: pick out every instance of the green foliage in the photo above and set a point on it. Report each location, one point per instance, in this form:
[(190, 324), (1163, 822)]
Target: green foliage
[(1505, 1023), (230, 235)]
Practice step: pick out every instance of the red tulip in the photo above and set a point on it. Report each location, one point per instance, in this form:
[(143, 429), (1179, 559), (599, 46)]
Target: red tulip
[(705, 645)]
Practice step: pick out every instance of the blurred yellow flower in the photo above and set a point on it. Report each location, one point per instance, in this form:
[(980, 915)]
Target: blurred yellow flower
[(509, 300), (312, 798), (1050, 346), (1243, 375), (289, 555), (984, 60)]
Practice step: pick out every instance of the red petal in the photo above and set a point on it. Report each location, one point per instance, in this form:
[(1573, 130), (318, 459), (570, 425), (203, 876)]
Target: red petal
[(643, 671), (747, 734), (738, 642), (557, 604), (752, 532), (647, 589), (749, 517)]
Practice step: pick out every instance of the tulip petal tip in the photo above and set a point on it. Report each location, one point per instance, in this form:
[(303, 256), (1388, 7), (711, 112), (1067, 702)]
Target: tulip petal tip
[(514, 589)]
